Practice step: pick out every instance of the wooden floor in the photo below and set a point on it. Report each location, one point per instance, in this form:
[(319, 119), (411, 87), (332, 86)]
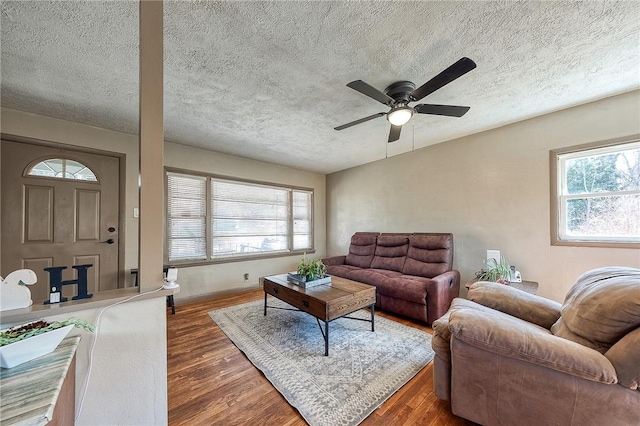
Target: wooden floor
[(211, 382)]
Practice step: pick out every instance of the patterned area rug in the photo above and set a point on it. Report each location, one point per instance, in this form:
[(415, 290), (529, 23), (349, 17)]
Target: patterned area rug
[(362, 370)]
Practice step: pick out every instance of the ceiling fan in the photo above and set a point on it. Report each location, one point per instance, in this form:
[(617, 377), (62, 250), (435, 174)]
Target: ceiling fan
[(401, 93)]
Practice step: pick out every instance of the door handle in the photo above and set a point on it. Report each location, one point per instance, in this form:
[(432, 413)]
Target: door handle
[(109, 241)]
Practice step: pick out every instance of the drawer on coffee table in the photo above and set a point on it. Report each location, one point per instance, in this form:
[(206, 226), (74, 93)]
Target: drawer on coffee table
[(296, 299)]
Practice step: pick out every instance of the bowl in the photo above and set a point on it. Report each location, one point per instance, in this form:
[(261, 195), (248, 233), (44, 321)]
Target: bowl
[(25, 350)]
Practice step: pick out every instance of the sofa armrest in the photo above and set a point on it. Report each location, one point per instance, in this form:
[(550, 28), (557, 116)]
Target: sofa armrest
[(334, 260), (441, 290), (505, 335), (527, 307)]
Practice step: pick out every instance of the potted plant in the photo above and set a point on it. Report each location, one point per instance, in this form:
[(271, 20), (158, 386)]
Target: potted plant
[(309, 273), (495, 271), (311, 269)]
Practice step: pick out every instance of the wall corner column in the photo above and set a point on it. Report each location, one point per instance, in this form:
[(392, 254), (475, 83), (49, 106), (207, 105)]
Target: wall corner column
[(151, 145)]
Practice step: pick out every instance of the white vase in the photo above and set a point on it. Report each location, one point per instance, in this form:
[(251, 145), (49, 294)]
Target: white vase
[(25, 350)]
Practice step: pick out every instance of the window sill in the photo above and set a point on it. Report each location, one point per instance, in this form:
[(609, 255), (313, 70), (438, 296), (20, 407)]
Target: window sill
[(187, 263), (99, 300), (604, 244)]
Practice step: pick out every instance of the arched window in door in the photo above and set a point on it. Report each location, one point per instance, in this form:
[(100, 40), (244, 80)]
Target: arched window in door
[(62, 168)]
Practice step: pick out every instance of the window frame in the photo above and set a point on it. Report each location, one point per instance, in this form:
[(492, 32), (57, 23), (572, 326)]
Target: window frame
[(34, 163), (208, 229), (557, 210)]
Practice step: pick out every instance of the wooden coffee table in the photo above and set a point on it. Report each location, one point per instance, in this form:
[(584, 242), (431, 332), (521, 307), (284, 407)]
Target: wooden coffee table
[(325, 302)]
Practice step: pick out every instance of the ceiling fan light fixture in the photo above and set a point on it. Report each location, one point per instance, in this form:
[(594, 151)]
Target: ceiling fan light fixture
[(400, 115)]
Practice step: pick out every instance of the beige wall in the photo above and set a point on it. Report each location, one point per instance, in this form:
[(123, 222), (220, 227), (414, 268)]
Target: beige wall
[(490, 189), (197, 281)]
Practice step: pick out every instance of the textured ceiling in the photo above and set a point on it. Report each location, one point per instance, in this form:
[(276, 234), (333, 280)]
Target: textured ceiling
[(266, 80)]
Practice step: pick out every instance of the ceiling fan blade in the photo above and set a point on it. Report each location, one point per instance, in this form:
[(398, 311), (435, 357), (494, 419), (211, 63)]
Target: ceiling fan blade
[(362, 120), (458, 69), (448, 110), (370, 91), (394, 133)]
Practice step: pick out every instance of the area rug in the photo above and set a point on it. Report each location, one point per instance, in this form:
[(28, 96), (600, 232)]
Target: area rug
[(362, 370)]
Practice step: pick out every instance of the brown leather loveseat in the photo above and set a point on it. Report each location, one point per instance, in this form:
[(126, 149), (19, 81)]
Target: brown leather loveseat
[(412, 273), (505, 357)]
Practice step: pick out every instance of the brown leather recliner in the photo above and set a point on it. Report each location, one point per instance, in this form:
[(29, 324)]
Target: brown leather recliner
[(505, 357)]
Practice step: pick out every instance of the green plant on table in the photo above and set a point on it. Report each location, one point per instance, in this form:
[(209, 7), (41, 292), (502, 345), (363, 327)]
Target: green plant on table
[(495, 271), (311, 269), (25, 331)]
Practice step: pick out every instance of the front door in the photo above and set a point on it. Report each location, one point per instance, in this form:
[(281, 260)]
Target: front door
[(60, 207)]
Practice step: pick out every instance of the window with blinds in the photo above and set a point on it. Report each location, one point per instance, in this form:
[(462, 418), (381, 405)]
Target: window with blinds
[(186, 217), (301, 220), (212, 218)]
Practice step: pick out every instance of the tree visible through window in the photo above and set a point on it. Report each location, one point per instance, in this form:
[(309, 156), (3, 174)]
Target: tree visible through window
[(599, 194)]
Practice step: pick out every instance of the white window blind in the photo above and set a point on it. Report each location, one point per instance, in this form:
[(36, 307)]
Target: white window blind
[(302, 224), (186, 217), (248, 218)]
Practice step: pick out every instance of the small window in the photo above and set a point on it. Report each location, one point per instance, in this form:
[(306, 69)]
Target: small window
[(597, 196), (62, 168), (216, 219)]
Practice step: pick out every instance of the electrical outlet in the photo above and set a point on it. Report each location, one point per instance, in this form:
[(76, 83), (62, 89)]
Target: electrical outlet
[(246, 277)]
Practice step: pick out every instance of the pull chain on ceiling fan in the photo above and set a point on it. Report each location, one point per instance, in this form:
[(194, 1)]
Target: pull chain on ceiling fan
[(400, 94)]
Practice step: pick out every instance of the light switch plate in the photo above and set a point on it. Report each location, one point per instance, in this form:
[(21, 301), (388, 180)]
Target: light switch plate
[(54, 297), (493, 254)]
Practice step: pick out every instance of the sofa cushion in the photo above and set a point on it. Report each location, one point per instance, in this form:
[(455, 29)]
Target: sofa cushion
[(362, 249), (391, 252), (341, 270), (405, 287), (429, 255), (625, 357), (601, 307), (371, 276), (334, 260), (560, 329)]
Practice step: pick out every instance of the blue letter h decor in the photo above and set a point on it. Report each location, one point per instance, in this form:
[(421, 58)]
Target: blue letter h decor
[(56, 283)]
